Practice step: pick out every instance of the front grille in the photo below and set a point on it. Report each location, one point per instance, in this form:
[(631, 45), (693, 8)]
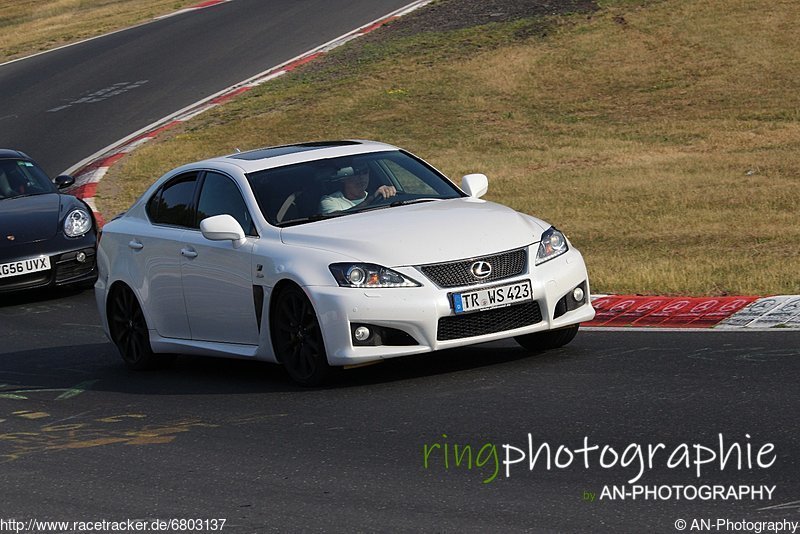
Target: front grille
[(459, 273), (488, 322)]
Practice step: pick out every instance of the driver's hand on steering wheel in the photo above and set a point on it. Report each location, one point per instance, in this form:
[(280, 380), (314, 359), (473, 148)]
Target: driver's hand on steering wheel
[(384, 191)]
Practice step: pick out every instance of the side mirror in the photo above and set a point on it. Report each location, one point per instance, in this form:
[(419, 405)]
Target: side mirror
[(475, 185), (222, 228), (64, 181)]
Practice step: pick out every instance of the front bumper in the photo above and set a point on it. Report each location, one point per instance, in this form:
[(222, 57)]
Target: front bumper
[(65, 269), (421, 319)]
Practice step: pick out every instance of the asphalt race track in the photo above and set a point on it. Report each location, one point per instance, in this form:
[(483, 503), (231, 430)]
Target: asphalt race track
[(65, 105), (83, 439), (234, 440)]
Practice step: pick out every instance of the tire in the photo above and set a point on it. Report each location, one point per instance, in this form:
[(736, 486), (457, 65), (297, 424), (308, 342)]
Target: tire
[(297, 338), (551, 339), (129, 331)]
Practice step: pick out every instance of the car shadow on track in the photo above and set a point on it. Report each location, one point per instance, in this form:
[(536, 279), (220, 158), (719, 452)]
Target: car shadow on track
[(491, 358), (38, 296), (97, 367)]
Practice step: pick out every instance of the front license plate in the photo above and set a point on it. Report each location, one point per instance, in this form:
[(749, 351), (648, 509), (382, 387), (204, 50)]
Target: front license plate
[(19, 267), (492, 297)]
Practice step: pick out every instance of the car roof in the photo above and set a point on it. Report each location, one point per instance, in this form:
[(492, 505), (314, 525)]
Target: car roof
[(279, 156), (7, 153)]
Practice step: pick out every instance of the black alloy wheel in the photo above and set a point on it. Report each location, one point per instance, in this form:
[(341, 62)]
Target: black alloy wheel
[(550, 339), (297, 338), (129, 330)]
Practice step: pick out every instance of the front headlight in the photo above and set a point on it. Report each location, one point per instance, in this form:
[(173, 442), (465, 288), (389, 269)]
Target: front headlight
[(553, 244), (366, 275), (77, 223)]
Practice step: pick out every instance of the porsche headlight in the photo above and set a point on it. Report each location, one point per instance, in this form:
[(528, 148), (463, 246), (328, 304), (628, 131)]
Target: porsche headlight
[(553, 244), (77, 223), (368, 275)]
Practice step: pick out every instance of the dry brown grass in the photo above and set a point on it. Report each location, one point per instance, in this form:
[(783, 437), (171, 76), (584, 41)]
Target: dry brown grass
[(29, 26), (663, 139)]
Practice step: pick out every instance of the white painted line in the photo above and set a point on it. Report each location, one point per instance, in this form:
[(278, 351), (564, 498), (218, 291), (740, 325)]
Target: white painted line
[(785, 506)]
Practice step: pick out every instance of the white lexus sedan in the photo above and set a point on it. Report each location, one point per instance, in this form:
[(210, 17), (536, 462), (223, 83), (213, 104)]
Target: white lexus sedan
[(330, 254)]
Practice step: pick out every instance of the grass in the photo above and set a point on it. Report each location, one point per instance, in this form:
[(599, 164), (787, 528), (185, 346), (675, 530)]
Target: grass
[(662, 137), (30, 26)]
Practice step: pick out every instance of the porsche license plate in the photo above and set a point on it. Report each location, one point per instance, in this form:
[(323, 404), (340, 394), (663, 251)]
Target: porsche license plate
[(493, 297), (26, 266)]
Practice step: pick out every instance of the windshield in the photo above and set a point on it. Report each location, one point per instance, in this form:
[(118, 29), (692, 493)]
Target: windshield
[(21, 177), (335, 187)]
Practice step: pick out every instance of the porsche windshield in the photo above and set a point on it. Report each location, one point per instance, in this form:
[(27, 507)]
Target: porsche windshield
[(21, 177), (321, 189)]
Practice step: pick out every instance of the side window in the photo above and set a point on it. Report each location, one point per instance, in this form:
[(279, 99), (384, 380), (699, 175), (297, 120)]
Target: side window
[(172, 204), (220, 195), (409, 182)]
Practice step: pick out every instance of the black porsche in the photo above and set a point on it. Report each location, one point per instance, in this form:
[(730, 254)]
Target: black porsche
[(47, 238)]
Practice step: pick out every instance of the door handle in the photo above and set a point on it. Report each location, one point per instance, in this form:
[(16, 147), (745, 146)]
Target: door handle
[(135, 245), (188, 253)]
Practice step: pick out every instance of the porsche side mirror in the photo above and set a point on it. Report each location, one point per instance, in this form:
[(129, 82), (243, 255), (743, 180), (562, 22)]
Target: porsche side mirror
[(222, 228), (475, 185), (63, 181)]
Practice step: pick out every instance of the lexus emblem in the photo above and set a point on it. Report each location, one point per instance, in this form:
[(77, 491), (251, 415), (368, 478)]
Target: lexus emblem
[(10, 237), (481, 269)]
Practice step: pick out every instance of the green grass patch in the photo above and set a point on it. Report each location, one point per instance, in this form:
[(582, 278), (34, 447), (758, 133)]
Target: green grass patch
[(662, 137)]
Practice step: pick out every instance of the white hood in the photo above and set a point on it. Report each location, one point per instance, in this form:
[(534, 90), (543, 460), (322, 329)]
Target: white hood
[(417, 234)]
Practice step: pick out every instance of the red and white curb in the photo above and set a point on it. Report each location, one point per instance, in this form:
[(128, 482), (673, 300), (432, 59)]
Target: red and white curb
[(719, 313), (91, 170)]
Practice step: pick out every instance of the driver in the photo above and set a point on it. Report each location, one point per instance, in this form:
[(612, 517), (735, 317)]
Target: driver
[(353, 192), (5, 186)]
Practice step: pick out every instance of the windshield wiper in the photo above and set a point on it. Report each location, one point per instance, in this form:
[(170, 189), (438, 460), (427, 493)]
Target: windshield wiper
[(413, 201), (313, 218)]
